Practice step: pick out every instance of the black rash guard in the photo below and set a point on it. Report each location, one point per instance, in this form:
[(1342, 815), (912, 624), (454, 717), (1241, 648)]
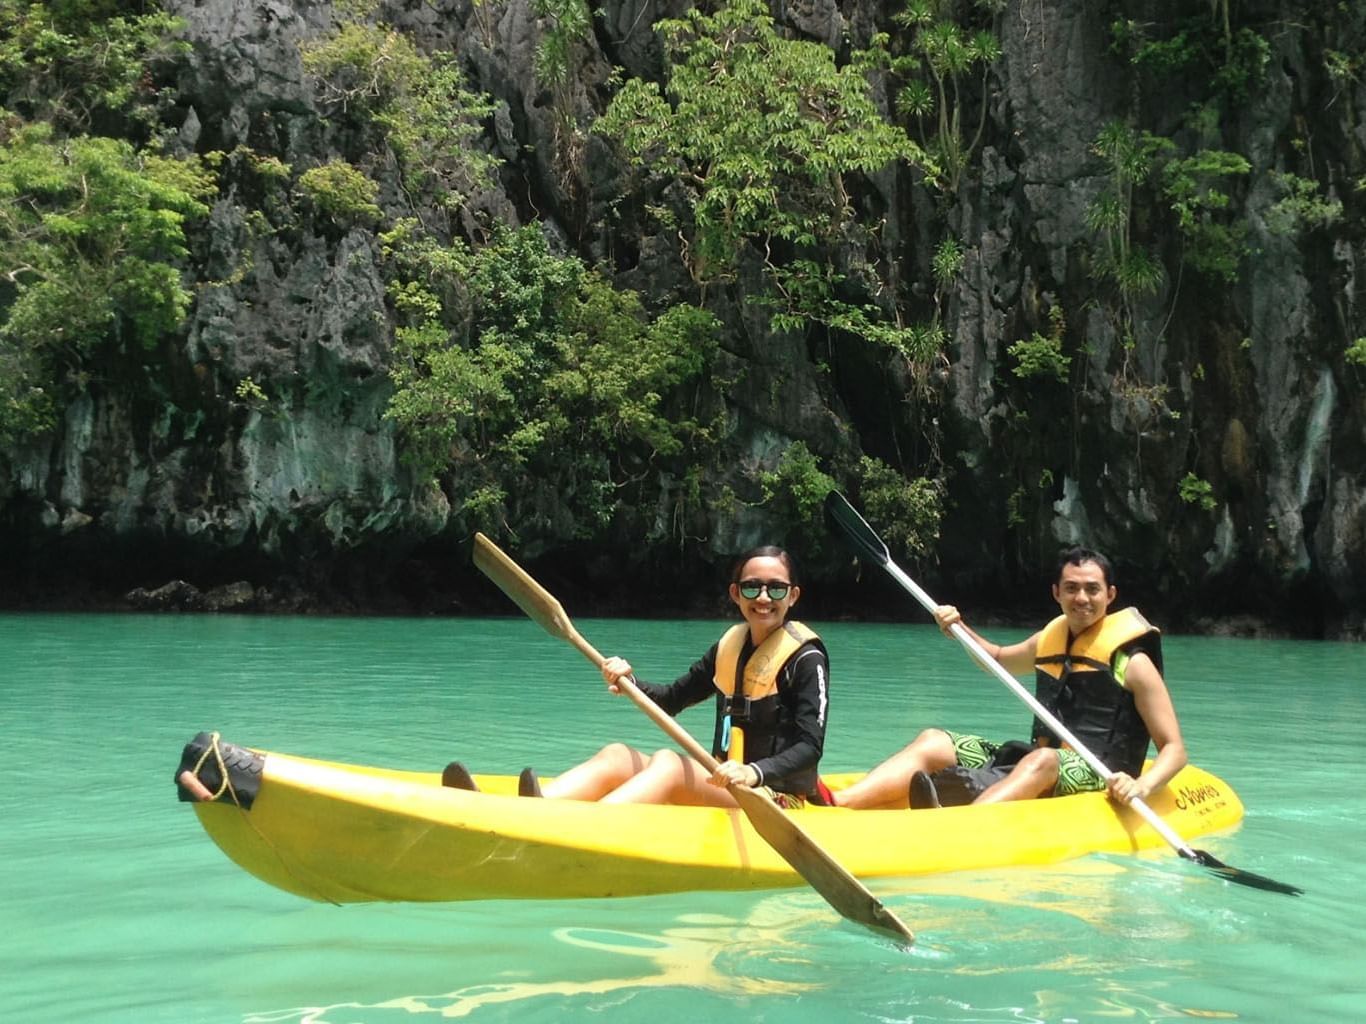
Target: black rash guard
[(785, 752)]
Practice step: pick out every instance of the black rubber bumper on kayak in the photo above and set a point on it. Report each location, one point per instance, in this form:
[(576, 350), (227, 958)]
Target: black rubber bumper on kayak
[(203, 763)]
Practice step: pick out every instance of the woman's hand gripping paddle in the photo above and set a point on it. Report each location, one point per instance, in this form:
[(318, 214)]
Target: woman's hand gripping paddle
[(827, 876), (868, 545)]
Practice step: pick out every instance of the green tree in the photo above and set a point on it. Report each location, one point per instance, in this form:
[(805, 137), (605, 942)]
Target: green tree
[(1041, 355), (1301, 205), (765, 132), (341, 192), (418, 103), (1194, 189), (797, 487), (566, 27), (1195, 491), (1129, 156), (519, 365), (77, 63), (909, 511), (93, 236), (1194, 186)]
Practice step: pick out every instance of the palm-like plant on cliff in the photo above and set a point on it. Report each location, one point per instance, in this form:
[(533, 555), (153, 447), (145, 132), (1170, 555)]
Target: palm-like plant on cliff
[(941, 54)]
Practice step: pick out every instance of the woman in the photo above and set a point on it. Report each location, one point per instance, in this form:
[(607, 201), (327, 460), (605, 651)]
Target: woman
[(769, 677)]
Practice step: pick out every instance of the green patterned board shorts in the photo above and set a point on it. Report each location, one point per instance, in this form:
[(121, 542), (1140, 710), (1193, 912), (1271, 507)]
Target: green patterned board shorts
[(1074, 774)]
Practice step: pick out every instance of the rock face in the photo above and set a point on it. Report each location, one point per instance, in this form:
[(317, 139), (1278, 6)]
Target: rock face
[(183, 469)]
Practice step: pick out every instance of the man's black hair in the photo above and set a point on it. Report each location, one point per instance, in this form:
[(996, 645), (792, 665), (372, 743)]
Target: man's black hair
[(1078, 555)]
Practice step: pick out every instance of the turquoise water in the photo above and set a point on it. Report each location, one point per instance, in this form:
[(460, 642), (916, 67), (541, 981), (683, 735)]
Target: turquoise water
[(116, 906)]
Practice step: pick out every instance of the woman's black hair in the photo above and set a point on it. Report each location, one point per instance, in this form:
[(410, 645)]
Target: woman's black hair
[(766, 551)]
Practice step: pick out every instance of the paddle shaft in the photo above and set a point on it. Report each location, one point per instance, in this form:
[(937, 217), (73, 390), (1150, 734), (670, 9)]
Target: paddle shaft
[(826, 875), (627, 685)]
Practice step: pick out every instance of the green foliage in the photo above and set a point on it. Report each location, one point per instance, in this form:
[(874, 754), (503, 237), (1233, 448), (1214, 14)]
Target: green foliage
[(1244, 66), (92, 232), (567, 25), (1015, 507), (1130, 156), (948, 261), (1194, 189), (418, 103), (71, 62), (1300, 206), (249, 391), (552, 375), (909, 512), (26, 405), (1041, 355), (1138, 273), (1195, 491), (1235, 62), (267, 167), (1162, 56), (809, 289), (920, 343), (940, 53), (566, 33), (764, 131), (798, 486), (1356, 352), (1193, 186), (341, 192), (1342, 68)]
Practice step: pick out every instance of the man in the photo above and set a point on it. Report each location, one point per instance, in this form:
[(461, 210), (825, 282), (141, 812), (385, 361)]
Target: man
[(1098, 672)]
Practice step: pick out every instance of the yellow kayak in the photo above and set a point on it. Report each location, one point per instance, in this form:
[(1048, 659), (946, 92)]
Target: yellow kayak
[(347, 833)]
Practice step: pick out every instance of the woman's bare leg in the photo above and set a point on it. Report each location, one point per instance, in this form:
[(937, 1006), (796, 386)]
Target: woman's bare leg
[(885, 786), (598, 776), (671, 778)]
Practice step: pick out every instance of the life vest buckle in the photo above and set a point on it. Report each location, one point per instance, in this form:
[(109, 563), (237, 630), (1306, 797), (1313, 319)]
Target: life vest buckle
[(737, 708)]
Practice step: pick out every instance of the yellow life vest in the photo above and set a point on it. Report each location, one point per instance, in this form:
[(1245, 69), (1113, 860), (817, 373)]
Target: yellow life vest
[(1095, 647), (761, 671), (756, 703), (1081, 681)]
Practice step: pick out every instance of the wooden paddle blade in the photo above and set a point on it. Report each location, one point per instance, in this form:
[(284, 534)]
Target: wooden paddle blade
[(842, 518), (809, 859), (525, 592), (1241, 877)]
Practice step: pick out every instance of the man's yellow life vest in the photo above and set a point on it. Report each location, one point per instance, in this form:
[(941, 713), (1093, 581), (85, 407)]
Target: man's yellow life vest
[(1081, 680)]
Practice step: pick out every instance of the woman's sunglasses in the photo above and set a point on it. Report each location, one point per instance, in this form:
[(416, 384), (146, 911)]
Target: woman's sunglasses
[(777, 589)]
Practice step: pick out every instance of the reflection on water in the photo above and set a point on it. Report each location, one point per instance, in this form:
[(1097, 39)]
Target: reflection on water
[(699, 953), (1068, 938)]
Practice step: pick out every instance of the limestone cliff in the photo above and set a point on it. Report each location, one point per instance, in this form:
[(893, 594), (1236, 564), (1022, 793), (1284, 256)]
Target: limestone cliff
[(1209, 431)]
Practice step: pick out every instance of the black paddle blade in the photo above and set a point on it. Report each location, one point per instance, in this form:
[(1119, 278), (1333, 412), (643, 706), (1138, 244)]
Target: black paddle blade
[(1248, 878), (842, 518)]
